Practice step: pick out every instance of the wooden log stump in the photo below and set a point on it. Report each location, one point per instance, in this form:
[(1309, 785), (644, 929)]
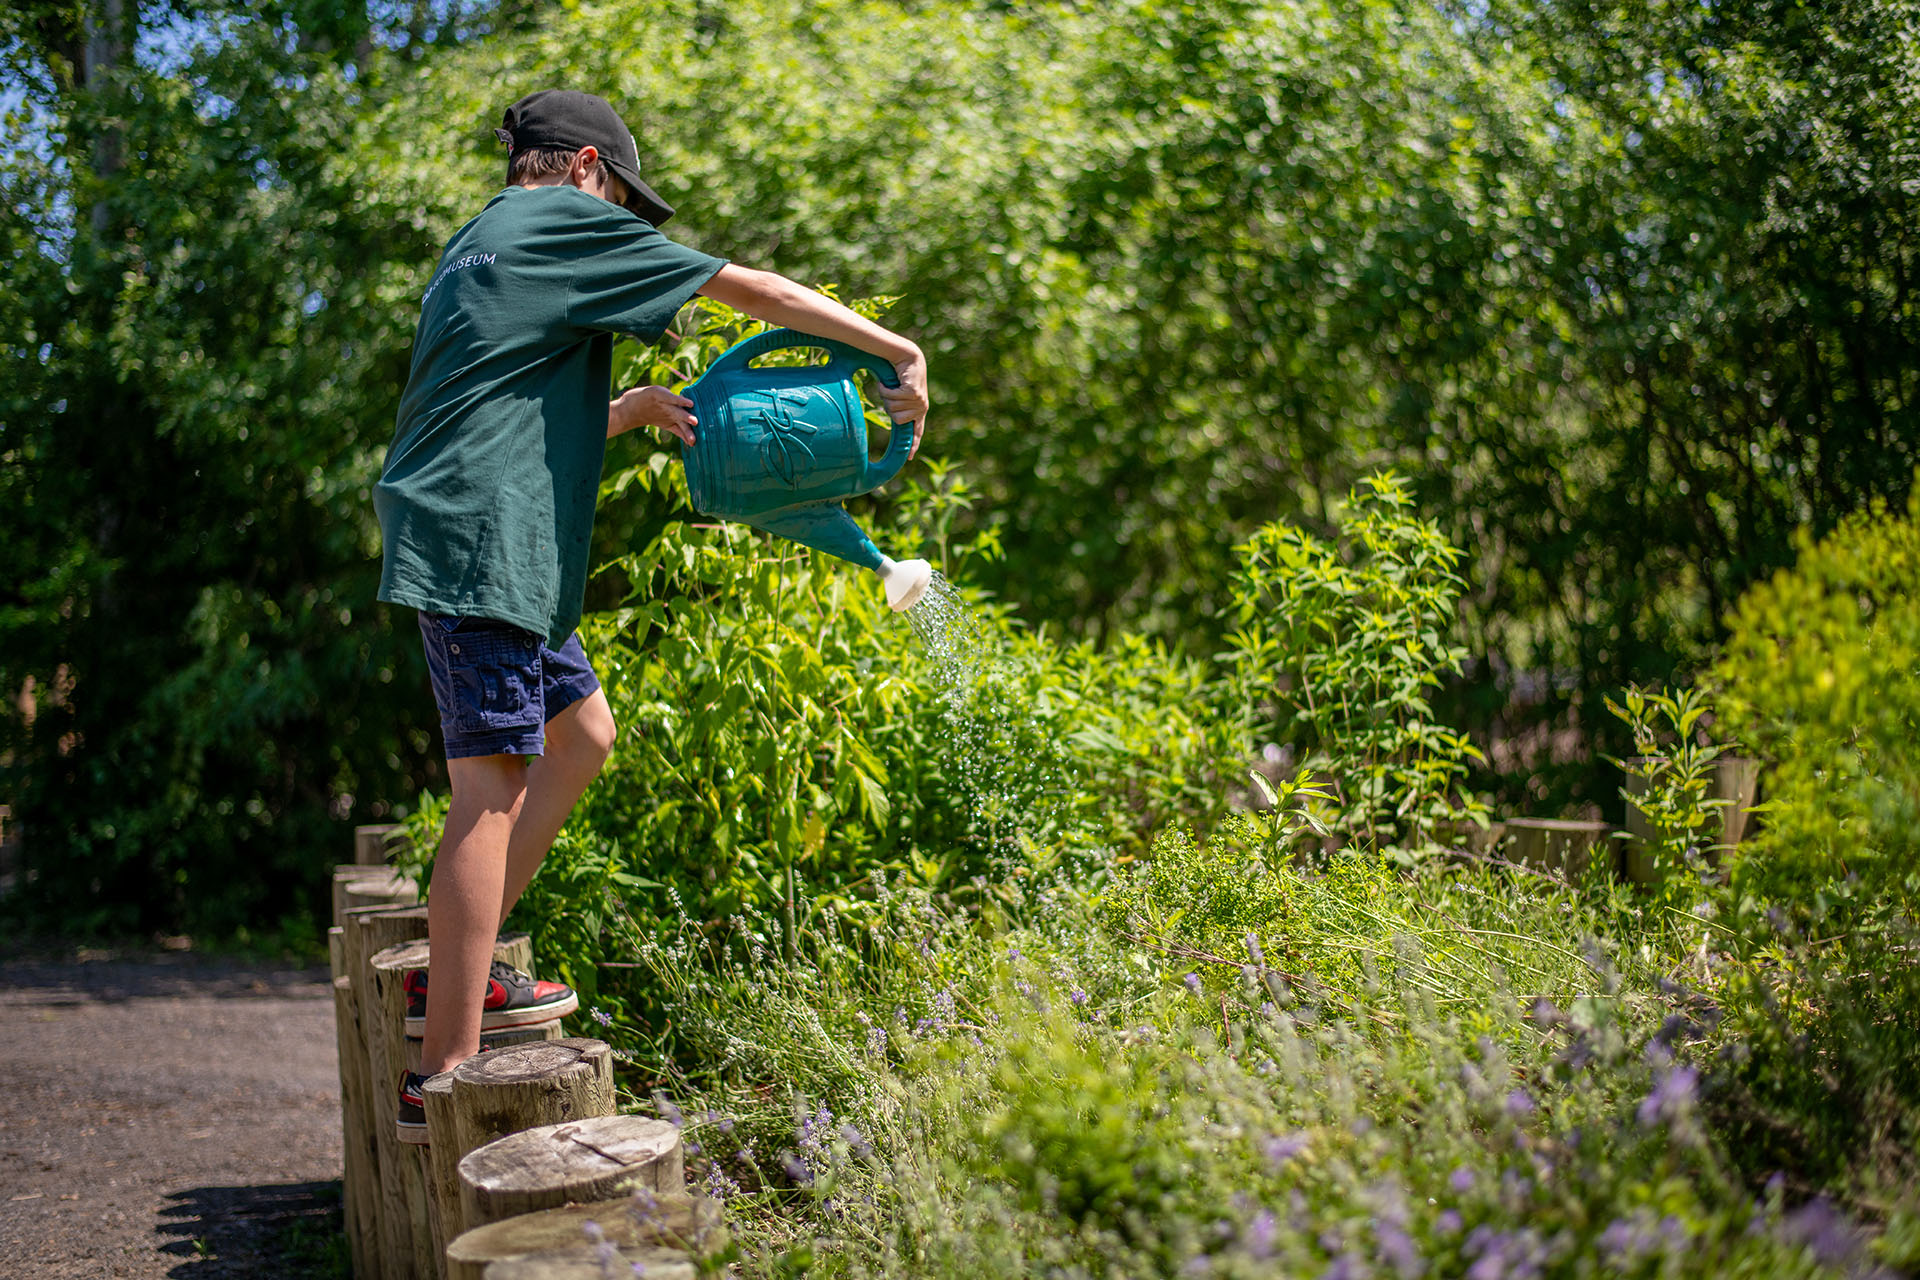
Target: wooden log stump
[(406, 1227), (337, 951), (377, 887), (443, 1165), (1735, 782), (360, 1172), (672, 1222), (578, 1162), (491, 1040), (373, 843), (1565, 846), (530, 1085), (587, 1264)]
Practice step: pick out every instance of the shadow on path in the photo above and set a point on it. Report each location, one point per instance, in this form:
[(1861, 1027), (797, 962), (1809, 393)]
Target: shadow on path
[(290, 1231)]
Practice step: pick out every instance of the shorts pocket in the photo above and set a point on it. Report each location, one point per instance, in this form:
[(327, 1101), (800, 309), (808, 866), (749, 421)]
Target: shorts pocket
[(496, 681)]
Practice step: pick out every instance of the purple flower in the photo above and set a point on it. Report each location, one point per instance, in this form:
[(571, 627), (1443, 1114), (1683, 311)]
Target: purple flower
[(1462, 1179), (604, 1019), (1824, 1230), (1253, 949), (1078, 997), (1672, 1095), (592, 1231), (1259, 1234), (1198, 1265), (1345, 1267), (1519, 1103), (1397, 1250), (1282, 1148), (1449, 1222), (1193, 983), (861, 1147), (796, 1169)]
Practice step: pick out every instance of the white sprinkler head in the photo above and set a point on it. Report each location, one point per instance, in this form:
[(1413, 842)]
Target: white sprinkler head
[(906, 581)]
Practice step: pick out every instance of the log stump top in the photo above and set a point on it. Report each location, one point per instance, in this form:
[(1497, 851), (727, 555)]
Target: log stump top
[(1583, 825), (672, 1221), (535, 1061), (402, 956), (572, 1154), (585, 1264)]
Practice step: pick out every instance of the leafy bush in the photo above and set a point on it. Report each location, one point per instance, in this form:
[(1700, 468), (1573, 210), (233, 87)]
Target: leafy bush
[(1822, 679), (1336, 653)]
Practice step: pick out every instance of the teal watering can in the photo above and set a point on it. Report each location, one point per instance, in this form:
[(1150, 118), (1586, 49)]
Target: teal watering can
[(780, 448)]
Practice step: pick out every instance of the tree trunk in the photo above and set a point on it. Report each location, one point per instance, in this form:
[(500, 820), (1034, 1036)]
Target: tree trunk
[(669, 1222), (578, 1162), (106, 28)]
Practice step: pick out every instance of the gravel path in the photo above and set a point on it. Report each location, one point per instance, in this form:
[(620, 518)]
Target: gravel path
[(167, 1116)]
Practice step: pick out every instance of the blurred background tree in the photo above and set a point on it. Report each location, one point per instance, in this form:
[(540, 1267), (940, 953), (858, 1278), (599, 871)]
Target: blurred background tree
[(1622, 287)]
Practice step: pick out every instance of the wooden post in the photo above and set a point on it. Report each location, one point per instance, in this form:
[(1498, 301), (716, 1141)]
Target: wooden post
[(530, 1085), (491, 1040), (586, 1264), (669, 1222), (373, 844), (359, 1173), (403, 1173), (1736, 780), (407, 1230), (1563, 845), (577, 1162), (377, 887), (443, 1165)]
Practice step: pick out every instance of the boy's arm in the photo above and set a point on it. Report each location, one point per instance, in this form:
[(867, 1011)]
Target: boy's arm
[(775, 299)]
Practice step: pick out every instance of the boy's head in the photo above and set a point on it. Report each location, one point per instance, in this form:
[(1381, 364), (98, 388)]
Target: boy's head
[(549, 135)]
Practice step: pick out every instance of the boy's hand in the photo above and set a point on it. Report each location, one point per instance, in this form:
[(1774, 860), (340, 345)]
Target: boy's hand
[(652, 407), (908, 401)]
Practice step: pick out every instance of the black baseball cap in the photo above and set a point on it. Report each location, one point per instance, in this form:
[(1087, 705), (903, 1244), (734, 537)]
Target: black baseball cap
[(571, 119)]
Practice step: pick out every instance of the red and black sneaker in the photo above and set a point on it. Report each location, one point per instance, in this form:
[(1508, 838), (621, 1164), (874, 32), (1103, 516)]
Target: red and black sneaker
[(412, 1119), (514, 999)]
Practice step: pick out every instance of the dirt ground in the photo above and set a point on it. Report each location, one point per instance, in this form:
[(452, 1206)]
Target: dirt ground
[(167, 1115)]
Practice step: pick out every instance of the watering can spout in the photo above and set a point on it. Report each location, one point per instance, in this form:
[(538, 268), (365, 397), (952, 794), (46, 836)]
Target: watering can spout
[(826, 527)]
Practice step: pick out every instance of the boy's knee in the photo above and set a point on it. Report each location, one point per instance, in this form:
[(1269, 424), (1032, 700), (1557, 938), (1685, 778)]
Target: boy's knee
[(593, 731), (490, 782)]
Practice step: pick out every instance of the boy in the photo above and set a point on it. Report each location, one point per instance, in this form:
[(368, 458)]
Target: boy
[(486, 506)]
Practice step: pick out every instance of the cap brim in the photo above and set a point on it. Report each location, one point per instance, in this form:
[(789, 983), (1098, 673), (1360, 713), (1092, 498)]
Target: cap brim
[(641, 198)]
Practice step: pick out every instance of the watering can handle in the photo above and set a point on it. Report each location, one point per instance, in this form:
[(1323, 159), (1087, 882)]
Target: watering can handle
[(899, 435)]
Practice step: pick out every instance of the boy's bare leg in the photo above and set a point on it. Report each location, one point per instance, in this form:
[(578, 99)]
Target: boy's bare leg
[(578, 740), (463, 905)]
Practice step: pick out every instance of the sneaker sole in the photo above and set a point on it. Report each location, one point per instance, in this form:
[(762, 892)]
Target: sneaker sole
[(415, 1134), (508, 1019)]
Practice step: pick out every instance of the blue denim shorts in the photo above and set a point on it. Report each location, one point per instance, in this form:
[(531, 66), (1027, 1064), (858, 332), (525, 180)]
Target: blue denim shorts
[(497, 686)]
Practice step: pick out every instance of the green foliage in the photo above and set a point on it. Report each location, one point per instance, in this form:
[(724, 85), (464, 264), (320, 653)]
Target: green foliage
[(1349, 643), (931, 1094), (1675, 772), (1819, 677)]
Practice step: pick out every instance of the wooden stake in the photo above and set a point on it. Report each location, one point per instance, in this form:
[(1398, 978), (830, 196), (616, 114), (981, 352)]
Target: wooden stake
[(1563, 845), (670, 1223), (577, 1162), (359, 1174), (491, 1040), (373, 844), (530, 1085)]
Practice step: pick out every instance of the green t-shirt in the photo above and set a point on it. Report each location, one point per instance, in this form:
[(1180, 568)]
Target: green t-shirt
[(486, 502)]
